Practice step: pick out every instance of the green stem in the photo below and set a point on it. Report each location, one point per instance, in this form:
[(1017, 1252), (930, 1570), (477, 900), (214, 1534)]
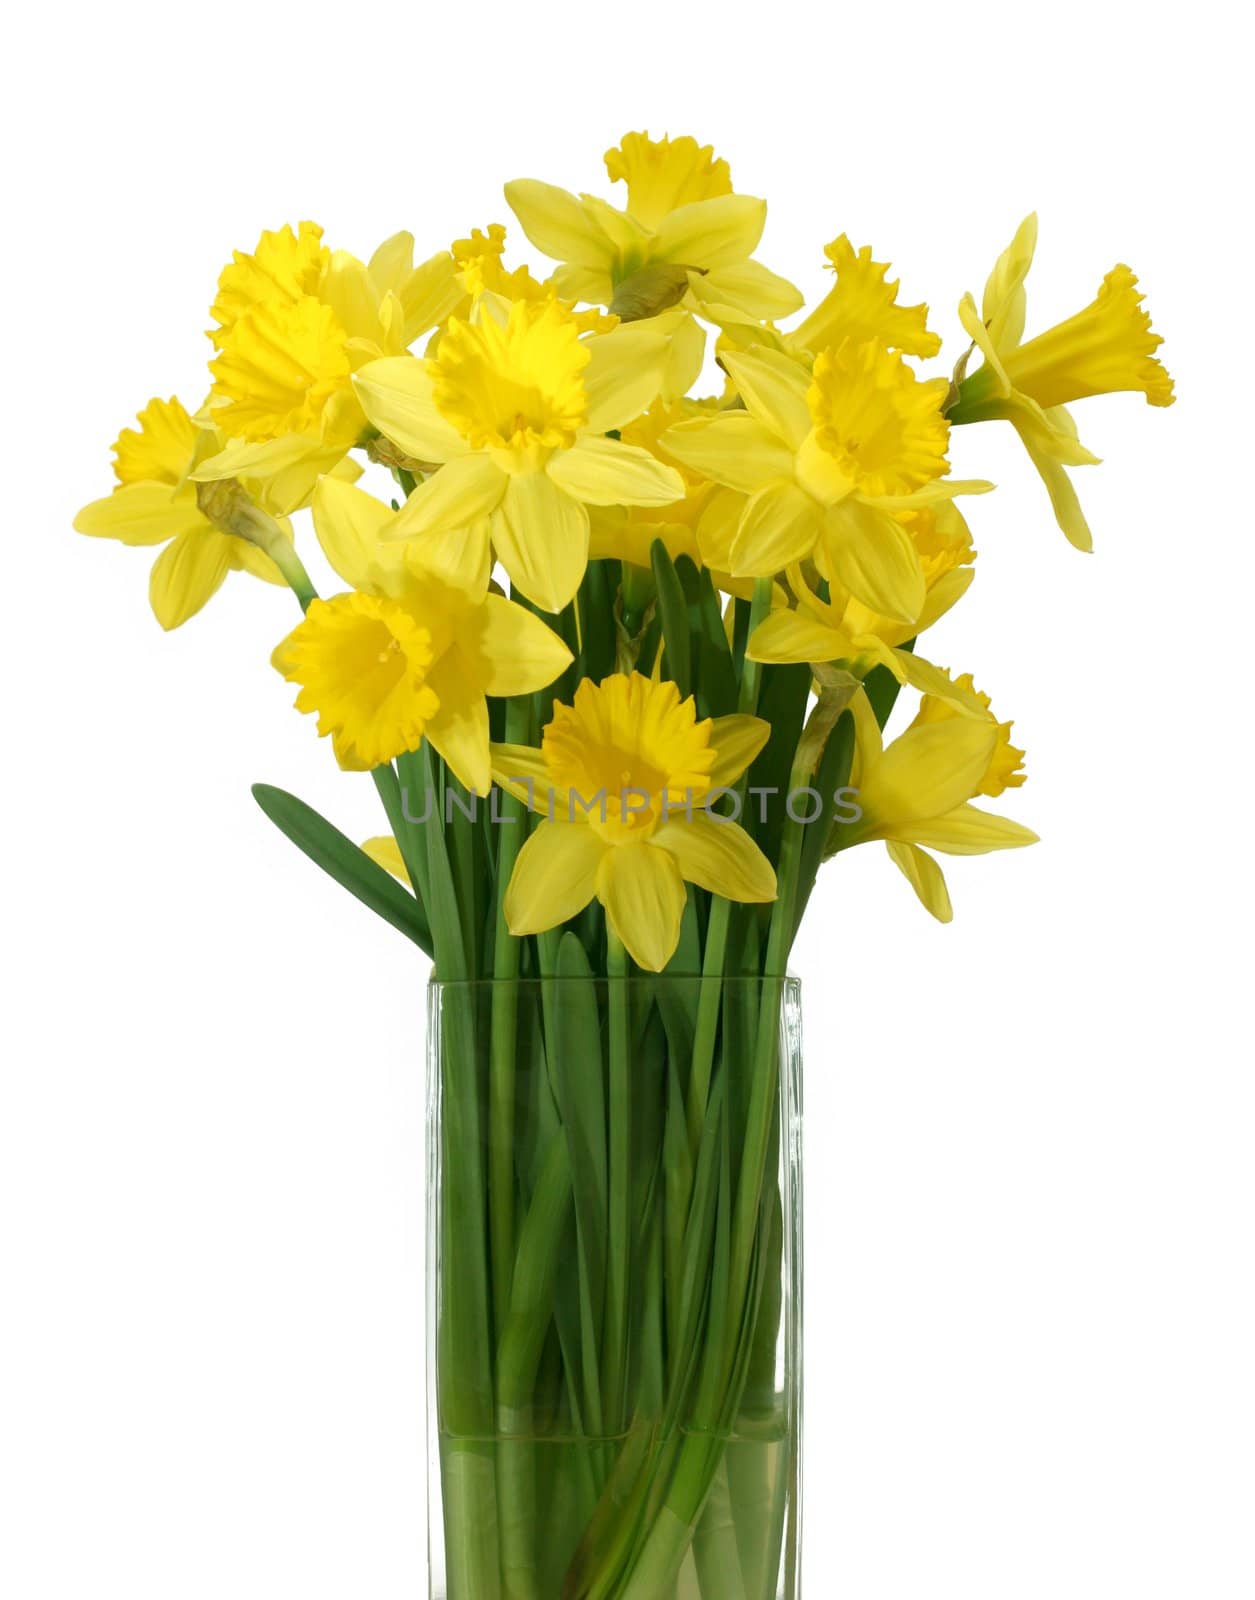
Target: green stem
[(715, 958), (503, 1071), (619, 1253), (523, 1337), (292, 567)]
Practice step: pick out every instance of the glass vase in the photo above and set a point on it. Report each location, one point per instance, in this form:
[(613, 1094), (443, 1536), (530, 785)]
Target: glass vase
[(614, 1288)]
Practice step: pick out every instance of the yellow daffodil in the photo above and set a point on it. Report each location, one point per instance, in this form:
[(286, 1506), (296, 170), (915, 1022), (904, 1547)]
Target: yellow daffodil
[(156, 503), (685, 240), (295, 321), (862, 305), (516, 406), (624, 778), (412, 653), (916, 793), (829, 458), (1106, 348), (482, 270), (842, 630), (1006, 763)]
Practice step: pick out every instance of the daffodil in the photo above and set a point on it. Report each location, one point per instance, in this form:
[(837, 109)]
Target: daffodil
[(685, 240), (414, 650), (843, 630), (829, 458), (157, 503), (1104, 349), (915, 795), (482, 270), (862, 305), (625, 778), (295, 321), (515, 407)]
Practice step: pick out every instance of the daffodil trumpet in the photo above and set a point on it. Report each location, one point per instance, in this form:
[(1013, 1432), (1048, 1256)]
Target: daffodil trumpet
[(619, 648)]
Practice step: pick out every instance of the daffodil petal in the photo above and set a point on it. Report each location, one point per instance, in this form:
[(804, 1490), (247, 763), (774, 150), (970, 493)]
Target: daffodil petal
[(780, 525), (736, 740), (385, 852), (733, 448), (719, 856), (348, 522), (928, 679), (248, 557), (429, 293), (1004, 304), (459, 729), (1063, 497), (711, 233), (788, 636), (774, 388), (979, 335), (521, 770), (969, 831), (925, 773), (142, 513), (948, 590), (929, 494), (508, 649), (607, 472), (541, 535), (591, 284), (643, 893), (875, 558), (457, 495), (624, 373), (924, 876), (554, 877), (558, 224), (748, 288), (187, 574), (396, 395)]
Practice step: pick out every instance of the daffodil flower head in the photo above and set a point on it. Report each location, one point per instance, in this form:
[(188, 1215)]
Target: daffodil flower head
[(155, 502), (482, 270), (829, 457), (685, 240), (295, 321), (664, 174), (514, 407), (1006, 762), (880, 425), (862, 305), (362, 664), (514, 387), (279, 366), (636, 743), (286, 264), (1105, 348), (414, 653), (917, 791), (624, 778)]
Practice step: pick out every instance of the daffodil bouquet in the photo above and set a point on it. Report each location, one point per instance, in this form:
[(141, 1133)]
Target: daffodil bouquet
[(628, 579)]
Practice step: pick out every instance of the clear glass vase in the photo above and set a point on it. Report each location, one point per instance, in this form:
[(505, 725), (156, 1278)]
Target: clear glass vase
[(614, 1288)]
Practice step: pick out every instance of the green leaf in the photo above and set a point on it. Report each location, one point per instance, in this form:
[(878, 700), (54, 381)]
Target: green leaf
[(833, 774), (677, 663), (716, 671), (344, 861), (575, 1056), (782, 703)]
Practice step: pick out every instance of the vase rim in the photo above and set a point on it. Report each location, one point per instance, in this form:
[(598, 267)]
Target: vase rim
[(641, 980)]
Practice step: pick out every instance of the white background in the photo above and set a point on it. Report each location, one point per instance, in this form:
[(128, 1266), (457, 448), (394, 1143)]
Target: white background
[(1030, 1134)]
